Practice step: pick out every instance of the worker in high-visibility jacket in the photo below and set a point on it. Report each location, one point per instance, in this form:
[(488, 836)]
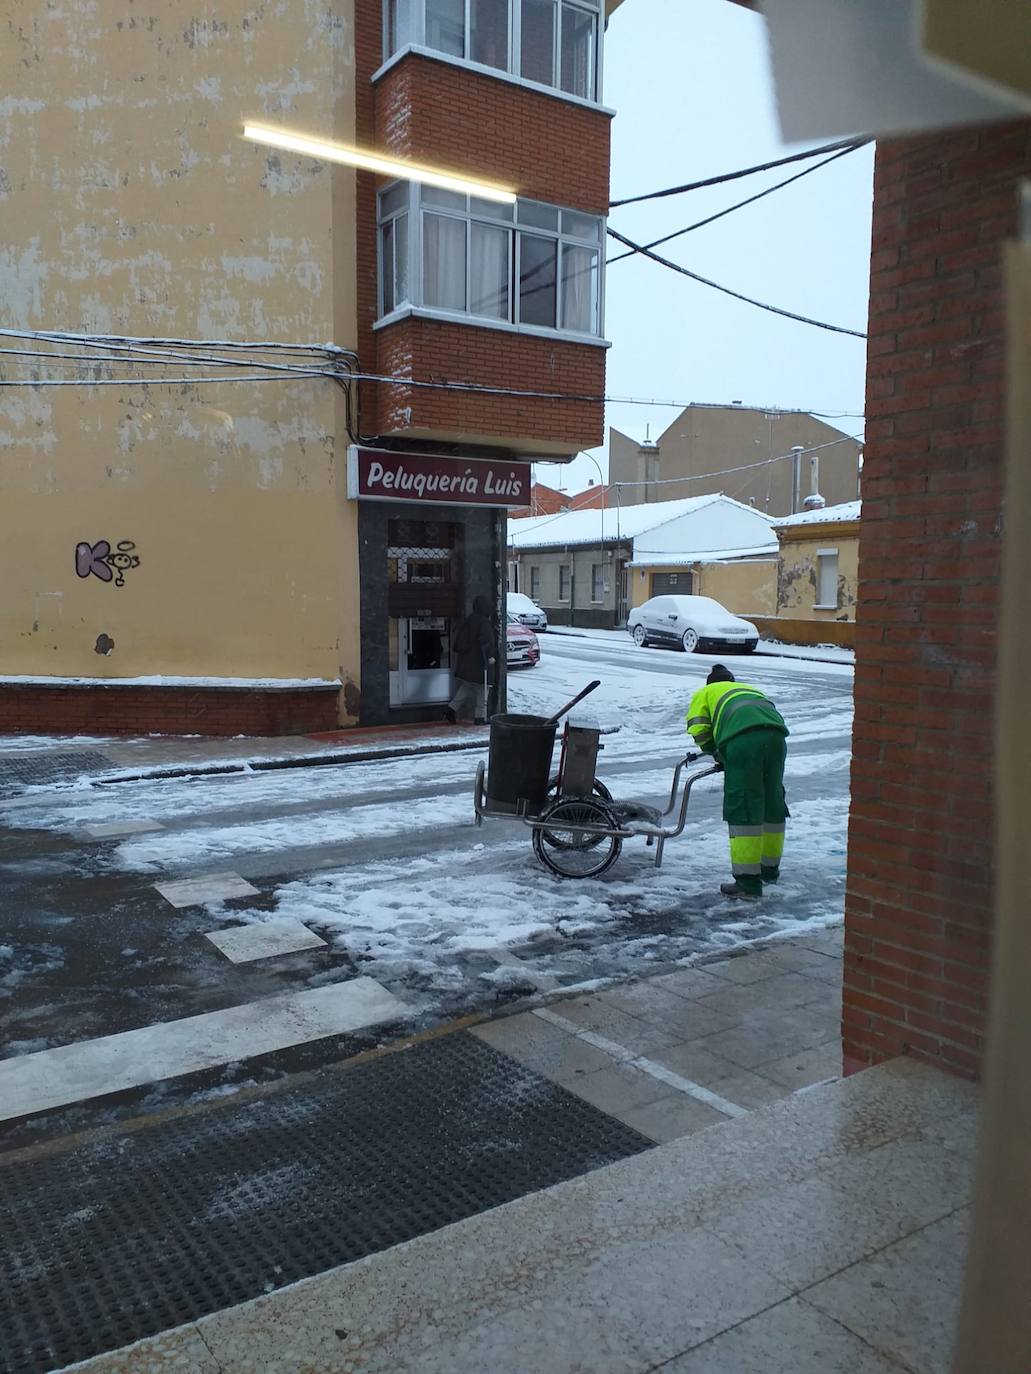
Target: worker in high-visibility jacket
[(746, 734)]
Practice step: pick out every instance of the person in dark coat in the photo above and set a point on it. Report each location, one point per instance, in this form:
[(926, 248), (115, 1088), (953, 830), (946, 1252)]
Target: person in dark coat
[(474, 654)]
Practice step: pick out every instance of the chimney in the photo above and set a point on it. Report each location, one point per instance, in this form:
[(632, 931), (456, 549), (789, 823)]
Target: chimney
[(814, 501)]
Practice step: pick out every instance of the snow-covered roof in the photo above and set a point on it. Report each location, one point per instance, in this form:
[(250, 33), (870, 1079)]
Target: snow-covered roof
[(629, 523), (758, 554), (826, 515)]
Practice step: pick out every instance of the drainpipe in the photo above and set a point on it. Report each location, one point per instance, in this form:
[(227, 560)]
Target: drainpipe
[(796, 478)]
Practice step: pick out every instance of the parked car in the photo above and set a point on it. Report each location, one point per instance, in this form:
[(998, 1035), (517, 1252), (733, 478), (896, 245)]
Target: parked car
[(690, 623), (523, 648), (527, 612)]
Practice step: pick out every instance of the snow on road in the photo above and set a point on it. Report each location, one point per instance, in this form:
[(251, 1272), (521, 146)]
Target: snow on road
[(435, 910)]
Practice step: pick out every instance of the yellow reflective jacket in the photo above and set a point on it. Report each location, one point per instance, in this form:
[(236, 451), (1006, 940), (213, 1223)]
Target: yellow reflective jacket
[(721, 710)]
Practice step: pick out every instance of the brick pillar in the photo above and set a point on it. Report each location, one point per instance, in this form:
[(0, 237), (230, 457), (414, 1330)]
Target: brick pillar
[(919, 894)]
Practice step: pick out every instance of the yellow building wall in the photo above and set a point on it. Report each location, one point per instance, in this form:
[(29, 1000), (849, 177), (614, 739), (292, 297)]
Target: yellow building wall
[(797, 583), (131, 205), (745, 587)]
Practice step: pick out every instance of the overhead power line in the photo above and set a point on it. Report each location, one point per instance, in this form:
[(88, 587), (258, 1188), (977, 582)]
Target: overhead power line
[(740, 205), (737, 295), (617, 487), (158, 353), (734, 176), (743, 467)]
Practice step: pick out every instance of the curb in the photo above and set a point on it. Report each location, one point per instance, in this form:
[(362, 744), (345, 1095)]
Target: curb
[(304, 761)]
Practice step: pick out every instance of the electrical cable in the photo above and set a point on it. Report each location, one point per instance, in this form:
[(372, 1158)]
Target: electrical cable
[(733, 176), (150, 351), (617, 487), (743, 467), (473, 387), (740, 205), (158, 381), (737, 295)]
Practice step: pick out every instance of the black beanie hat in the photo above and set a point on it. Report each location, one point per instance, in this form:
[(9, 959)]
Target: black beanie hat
[(719, 674), (481, 606)]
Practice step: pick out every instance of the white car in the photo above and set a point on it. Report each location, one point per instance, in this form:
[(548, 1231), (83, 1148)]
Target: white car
[(690, 623), (527, 612)]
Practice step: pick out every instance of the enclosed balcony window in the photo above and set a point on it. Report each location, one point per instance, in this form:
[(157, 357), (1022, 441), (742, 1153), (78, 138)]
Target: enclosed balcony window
[(529, 266), (552, 43)]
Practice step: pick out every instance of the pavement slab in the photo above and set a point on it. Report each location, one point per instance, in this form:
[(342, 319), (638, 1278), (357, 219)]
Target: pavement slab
[(621, 1270)]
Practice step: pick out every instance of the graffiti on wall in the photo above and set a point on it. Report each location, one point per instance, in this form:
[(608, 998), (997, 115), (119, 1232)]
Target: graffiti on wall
[(99, 560)]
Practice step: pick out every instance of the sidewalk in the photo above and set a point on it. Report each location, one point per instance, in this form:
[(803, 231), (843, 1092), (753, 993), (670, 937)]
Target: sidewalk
[(28, 762), (790, 1223)]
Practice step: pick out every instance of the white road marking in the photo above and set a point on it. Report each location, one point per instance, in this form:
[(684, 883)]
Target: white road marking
[(92, 1068), (110, 830), (264, 940), (636, 1061), (213, 887)]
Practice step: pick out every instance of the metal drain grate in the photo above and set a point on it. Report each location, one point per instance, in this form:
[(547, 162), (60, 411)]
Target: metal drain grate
[(124, 1238), (36, 770)]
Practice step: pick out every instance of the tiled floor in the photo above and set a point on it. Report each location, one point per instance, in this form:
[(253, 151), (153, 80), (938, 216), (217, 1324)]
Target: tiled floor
[(751, 1029), (821, 1234), (819, 1231)]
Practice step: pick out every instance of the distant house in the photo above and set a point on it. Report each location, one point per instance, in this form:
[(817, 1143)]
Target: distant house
[(546, 500), (817, 575), (727, 448), (588, 567)]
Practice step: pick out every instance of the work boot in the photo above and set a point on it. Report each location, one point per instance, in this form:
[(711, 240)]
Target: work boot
[(738, 892), (450, 716), (770, 875)]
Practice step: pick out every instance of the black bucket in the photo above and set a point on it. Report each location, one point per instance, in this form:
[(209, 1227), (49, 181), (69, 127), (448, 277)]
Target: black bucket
[(519, 766)]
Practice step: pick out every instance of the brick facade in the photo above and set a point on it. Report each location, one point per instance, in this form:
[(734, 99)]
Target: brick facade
[(919, 895), (550, 149), (435, 349), (116, 708)]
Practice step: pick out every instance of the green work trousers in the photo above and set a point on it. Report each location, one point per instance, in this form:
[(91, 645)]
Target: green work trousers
[(754, 805)]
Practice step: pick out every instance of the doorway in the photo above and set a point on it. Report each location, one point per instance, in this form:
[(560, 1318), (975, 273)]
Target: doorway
[(424, 600)]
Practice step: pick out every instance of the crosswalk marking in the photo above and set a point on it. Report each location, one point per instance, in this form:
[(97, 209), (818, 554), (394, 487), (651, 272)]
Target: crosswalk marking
[(212, 887), (264, 939), (92, 1068), (111, 830)]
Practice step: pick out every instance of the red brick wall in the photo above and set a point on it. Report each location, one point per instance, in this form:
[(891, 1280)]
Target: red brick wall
[(546, 149), (434, 349), (919, 894), (120, 710), (437, 113)]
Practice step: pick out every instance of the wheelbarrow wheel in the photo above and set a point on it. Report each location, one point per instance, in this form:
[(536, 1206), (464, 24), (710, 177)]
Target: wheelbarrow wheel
[(597, 787), (556, 840), (568, 852)]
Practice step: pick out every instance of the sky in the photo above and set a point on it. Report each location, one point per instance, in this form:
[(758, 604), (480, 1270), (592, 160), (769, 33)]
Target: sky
[(691, 83)]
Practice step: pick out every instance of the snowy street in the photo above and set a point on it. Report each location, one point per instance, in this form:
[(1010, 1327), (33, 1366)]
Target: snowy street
[(375, 870)]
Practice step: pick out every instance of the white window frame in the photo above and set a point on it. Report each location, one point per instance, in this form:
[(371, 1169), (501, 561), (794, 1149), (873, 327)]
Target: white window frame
[(535, 581), (821, 556), (598, 582), (594, 8), (565, 572), (415, 209), (403, 211)]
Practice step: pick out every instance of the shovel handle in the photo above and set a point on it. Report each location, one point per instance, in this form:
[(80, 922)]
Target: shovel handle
[(553, 720)]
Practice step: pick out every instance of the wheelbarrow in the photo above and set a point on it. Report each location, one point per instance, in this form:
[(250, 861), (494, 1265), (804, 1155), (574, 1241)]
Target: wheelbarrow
[(578, 826)]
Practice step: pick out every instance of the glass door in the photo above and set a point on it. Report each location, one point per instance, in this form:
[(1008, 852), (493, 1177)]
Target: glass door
[(423, 599)]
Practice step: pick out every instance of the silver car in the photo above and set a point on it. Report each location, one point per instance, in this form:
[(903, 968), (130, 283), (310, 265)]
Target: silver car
[(527, 612), (690, 623)]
